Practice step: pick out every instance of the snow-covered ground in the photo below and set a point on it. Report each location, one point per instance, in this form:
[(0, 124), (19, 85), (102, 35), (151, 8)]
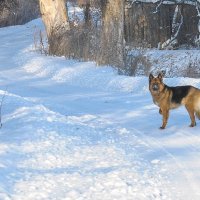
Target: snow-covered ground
[(74, 131)]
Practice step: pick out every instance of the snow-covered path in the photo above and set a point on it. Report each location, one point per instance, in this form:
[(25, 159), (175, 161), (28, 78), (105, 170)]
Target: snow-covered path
[(74, 131)]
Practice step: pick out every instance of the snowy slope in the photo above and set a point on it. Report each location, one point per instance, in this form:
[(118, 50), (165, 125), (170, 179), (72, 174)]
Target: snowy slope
[(74, 131)]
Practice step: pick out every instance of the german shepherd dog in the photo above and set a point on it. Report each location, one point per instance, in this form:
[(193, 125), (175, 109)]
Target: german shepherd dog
[(166, 98)]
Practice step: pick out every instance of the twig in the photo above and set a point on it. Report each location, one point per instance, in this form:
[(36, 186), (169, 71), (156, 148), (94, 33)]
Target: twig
[(160, 3)]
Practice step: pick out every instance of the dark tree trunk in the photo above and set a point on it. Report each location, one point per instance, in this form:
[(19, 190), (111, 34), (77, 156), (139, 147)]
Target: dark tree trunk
[(87, 15), (148, 25)]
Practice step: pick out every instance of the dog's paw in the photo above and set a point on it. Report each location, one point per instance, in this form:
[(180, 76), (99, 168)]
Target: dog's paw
[(193, 124), (162, 127)]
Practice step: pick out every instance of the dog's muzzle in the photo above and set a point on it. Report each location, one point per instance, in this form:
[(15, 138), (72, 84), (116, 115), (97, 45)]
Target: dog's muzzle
[(155, 87)]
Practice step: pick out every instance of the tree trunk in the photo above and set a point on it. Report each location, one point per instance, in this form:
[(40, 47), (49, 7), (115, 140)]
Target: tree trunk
[(55, 18), (112, 37), (87, 15)]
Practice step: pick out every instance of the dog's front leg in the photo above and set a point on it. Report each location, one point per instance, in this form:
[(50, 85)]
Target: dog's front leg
[(165, 113)]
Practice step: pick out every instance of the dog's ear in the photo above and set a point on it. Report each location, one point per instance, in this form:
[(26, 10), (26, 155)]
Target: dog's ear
[(160, 76), (151, 76), (163, 72)]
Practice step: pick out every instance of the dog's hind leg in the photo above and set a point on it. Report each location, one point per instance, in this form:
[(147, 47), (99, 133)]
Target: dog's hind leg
[(197, 107), (197, 113), (190, 110)]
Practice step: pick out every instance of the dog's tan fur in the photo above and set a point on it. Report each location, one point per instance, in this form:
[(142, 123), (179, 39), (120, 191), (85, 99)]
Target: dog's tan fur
[(167, 98)]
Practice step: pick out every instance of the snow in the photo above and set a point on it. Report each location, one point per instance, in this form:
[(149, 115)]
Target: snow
[(75, 131), (176, 63)]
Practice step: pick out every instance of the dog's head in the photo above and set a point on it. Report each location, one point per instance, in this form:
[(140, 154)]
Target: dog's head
[(156, 84)]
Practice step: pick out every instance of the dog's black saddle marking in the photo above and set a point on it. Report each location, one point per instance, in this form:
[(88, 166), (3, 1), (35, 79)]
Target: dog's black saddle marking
[(179, 92)]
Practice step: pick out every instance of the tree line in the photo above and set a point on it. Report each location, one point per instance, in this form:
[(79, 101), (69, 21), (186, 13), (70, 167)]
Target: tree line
[(14, 12), (122, 26), (111, 29)]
